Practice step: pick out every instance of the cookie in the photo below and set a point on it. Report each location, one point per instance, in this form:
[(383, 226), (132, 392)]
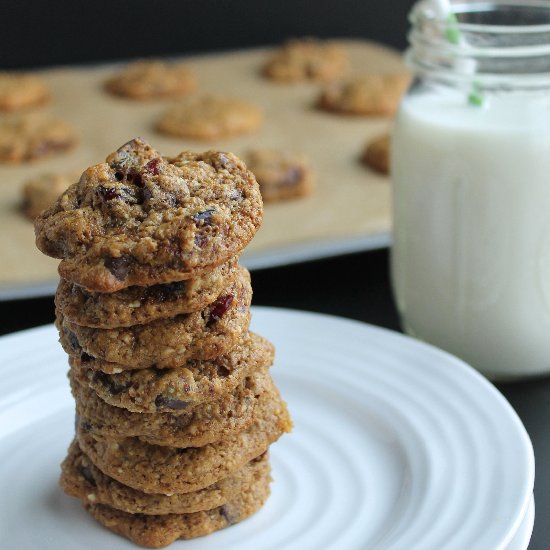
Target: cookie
[(169, 470), (166, 343), (139, 305), (42, 191), (151, 79), (281, 175), (369, 95), (206, 423), (162, 530), (81, 479), (141, 219), (177, 390), (210, 117), (20, 91), (307, 59), (377, 154), (32, 136)]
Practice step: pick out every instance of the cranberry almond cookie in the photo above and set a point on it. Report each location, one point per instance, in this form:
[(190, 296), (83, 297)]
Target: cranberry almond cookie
[(20, 91), (139, 305), (307, 59), (205, 423), (32, 136), (42, 191), (142, 219), (281, 175), (210, 117), (368, 95), (152, 79), (180, 389), (81, 479), (166, 343), (159, 531), (169, 470)]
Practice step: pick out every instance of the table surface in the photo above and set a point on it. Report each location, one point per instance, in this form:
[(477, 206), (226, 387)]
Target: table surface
[(355, 286)]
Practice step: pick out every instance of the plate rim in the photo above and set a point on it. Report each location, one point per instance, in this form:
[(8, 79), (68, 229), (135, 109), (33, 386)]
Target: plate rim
[(413, 344)]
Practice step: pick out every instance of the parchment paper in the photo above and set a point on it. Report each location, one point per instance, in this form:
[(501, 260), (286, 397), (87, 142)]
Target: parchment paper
[(350, 201)]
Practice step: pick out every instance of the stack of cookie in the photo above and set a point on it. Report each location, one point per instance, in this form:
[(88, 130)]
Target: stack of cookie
[(175, 405)]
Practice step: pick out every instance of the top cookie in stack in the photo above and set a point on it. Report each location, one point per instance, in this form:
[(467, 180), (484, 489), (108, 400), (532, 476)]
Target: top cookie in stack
[(141, 219), (176, 408)]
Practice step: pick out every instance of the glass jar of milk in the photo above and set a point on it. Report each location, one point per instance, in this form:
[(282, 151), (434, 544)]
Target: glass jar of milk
[(471, 175)]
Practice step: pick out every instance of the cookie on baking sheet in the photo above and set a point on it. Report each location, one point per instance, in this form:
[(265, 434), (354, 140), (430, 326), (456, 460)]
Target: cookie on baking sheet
[(81, 479), (210, 118), (139, 305), (281, 175), (151, 79), (307, 59), (32, 136), (169, 470), (20, 91), (377, 154), (141, 219), (161, 530), (206, 423), (369, 95), (166, 343), (42, 191), (179, 390)]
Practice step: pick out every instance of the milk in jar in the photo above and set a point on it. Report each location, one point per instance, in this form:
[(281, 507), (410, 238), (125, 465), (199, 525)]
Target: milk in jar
[(471, 254)]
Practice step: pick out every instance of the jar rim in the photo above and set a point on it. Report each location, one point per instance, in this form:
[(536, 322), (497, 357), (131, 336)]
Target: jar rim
[(498, 56), (461, 7)]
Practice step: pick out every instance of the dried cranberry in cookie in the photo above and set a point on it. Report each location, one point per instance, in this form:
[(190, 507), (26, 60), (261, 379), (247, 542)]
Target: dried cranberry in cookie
[(142, 219)]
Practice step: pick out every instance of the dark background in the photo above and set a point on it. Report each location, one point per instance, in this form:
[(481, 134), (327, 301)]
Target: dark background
[(41, 33), (37, 33)]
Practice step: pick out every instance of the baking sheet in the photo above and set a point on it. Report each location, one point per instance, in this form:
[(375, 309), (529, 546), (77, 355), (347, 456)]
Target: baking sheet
[(349, 211)]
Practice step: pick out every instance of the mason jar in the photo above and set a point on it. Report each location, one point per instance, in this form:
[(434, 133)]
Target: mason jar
[(470, 260)]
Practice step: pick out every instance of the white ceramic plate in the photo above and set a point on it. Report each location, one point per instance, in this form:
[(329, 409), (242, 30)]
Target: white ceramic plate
[(397, 445)]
